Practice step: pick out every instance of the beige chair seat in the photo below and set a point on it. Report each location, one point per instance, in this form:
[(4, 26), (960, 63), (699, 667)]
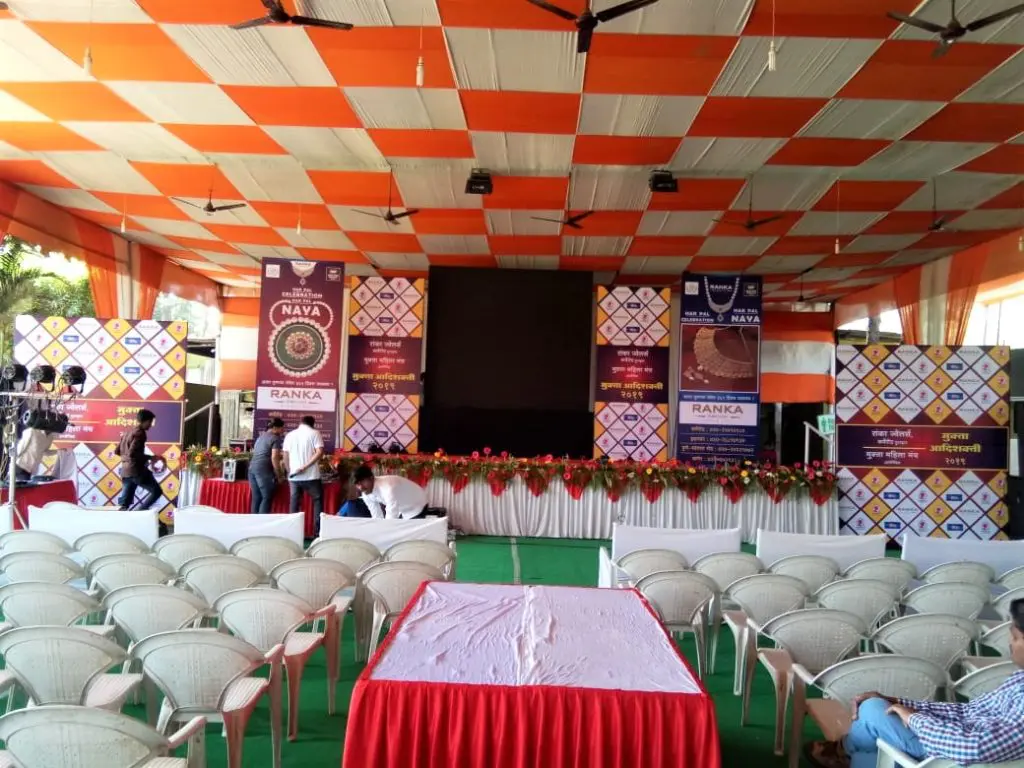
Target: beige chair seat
[(833, 717)]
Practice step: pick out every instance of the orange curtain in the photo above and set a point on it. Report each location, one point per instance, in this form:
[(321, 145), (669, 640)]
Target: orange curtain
[(151, 268), (965, 271), (908, 296), (102, 283)]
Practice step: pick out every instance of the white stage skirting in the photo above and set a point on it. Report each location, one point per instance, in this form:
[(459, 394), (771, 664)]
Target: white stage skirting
[(555, 514), (926, 552), (383, 533), (230, 529), (70, 523)]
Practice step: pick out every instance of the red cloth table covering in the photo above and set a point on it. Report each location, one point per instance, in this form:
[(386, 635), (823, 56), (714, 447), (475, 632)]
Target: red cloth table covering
[(236, 498), (38, 495), (502, 676)]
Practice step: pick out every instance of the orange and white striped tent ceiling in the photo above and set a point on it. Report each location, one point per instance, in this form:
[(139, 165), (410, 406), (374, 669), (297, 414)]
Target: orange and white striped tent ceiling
[(843, 140)]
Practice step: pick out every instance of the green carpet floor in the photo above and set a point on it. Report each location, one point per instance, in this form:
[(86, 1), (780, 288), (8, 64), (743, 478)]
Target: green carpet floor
[(501, 560)]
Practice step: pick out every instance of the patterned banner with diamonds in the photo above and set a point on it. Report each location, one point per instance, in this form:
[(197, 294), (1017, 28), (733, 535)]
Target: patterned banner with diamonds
[(923, 437), (385, 348), (129, 364), (631, 388)]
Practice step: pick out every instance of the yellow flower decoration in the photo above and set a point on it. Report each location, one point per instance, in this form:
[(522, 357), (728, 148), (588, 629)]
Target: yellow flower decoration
[(692, 471), (747, 462), (744, 473), (650, 471)]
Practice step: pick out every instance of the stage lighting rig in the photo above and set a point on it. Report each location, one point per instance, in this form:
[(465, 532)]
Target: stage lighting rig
[(663, 181), (43, 374), (479, 182)]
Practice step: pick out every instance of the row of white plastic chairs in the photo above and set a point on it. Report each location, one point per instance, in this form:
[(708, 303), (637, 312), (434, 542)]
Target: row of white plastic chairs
[(815, 639)]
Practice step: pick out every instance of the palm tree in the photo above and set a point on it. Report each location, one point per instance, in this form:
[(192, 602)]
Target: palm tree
[(17, 286)]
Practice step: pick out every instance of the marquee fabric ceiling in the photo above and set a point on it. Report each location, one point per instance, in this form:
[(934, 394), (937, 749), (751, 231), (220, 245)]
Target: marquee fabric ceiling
[(844, 139)]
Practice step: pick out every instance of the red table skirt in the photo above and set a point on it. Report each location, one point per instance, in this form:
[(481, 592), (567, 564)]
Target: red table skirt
[(38, 495), (236, 498)]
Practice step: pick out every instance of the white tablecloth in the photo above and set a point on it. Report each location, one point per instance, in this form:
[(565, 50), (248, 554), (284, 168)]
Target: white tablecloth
[(71, 524), (555, 514), (926, 552), (533, 635), (230, 529), (845, 550), (383, 533)]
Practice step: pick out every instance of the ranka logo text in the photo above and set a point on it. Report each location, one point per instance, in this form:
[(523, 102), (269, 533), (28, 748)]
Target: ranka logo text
[(714, 410), (296, 394)]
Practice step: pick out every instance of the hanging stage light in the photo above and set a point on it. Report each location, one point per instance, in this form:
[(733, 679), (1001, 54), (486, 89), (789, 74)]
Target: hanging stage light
[(15, 373), (43, 374), (73, 376)]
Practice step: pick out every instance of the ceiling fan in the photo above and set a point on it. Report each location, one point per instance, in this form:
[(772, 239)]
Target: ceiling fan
[(276, 14), (954, 29), (587, 21), (938, 222), (573, 222), (390, 217), (210, 208), (751, 223)]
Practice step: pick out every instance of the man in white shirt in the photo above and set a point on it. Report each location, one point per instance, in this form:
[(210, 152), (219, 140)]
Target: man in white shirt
[(303, 449), (391, 496)]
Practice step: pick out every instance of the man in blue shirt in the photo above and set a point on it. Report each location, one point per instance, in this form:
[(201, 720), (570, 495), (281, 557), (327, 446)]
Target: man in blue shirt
[(989, 729), (266, 465)]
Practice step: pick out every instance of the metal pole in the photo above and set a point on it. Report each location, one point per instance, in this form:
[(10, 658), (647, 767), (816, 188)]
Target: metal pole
[(209, 427)]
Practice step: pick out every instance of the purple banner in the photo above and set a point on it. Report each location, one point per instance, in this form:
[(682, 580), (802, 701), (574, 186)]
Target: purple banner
[(384, 365), (299, 362), (918, 447), (632, 374)]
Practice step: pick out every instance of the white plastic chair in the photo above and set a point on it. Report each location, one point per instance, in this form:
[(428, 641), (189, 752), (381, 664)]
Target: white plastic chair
[(41, 566), (897, 676), (644, 562), (210, 576), (724, 568), (957, 598), (67, 665), (205, 509), (178, 548), (267, 551), (1001, 603), (70, 506), (32, 541), (964, 572), (761, 598), (391, 586), (149, 609), (939, 638), (267, 618), (813, 570), (870, 599), (112, 572), (432, 553), (998, 639), (815, 638), (60, 736), (96, 545), (38, 604), (683, 600), (355, 553), (897, 572), (210, 673), (970, 687), (1012, 579)]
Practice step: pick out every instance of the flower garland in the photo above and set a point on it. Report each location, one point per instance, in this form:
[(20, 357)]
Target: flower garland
[(615, 478)]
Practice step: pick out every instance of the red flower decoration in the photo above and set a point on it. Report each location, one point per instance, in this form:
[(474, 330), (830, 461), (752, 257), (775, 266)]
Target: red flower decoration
[(475, 455), (487, 451)]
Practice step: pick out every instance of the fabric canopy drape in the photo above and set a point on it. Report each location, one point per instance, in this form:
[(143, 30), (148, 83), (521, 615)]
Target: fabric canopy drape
[(908, 294), (964, 277), (102, 283), (935, 299)]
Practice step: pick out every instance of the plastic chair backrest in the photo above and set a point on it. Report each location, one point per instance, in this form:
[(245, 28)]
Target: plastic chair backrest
[(262, 617), (964, 572), (869, 599), (727, 567), (35, 603), (96, 545), (56, 664), (194, 667), (678, 595), (642, 562), (32, 541), (813, 570), (355, 553), (40, 566), (205, 509), (984, 680), (1013, 578), (394, 584), (897, 572), (816, 638), (315, 580), (178, 548), (211, 576), (899, 676), (146, 610), (958, 598), (997, 638), (112, 572), (939, 638), (767, 595), (1001, 604), (267, 551), (60, 736), (432, 553)]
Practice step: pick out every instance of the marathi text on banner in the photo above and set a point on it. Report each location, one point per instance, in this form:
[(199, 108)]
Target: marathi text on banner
[(720, 368), (299, 363), (922, 440), (631, 389), (385, 355)]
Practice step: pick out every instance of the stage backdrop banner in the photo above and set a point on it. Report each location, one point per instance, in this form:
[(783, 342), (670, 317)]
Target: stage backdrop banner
[(720, 368), (922, 440), (385, 354), (631, 388), (299, 362), (130, 365)]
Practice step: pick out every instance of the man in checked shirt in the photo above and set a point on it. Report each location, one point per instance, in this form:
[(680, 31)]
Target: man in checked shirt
[(989, 729)]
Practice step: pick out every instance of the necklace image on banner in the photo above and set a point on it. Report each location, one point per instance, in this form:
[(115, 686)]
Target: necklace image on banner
[(721, 308)]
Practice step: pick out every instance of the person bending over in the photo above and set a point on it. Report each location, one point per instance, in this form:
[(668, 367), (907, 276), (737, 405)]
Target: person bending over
[(989, 729), (265, 466), (303, 449), (135, 464), (390, 496)]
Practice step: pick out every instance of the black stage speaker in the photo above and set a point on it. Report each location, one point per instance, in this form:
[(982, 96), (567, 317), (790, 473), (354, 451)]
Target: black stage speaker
[(235, 469)]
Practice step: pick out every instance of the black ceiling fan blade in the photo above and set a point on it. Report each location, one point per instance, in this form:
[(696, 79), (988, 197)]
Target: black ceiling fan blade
[(622, 9), (230, 207), (553, 221), (995, 18), (938, 225), (186, 202), (754, 223), (567, 15), (369, 213), (571, 220), (309, 21), (583, 39), (571, 224), (251, 23), (927, 26), (404, 214), (273, 6)]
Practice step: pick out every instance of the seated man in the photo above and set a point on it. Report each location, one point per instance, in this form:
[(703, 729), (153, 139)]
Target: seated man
[(989, 729), (391, 496)]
